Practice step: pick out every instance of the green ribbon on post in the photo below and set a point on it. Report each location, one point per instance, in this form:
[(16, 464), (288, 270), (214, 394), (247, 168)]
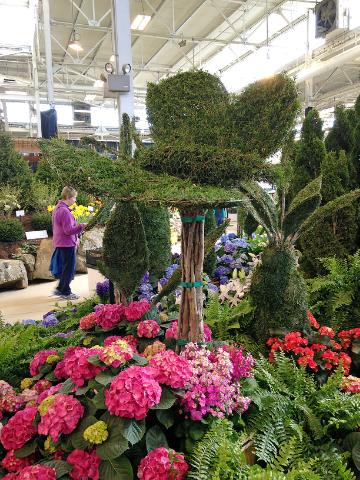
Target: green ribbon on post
[(199, 218), (191, 284)]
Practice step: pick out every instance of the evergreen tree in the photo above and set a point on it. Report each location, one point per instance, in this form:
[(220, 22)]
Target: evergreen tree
[(334, 236), (309, 152), (341, 136)]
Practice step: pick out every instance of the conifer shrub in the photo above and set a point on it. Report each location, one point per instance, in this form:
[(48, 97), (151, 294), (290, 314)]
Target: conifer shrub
[(42, 221), (11, 230)]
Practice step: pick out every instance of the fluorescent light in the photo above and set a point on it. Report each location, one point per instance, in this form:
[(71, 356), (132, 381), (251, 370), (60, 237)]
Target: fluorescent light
[(15, 92), (90, 97), (112, 58), (140, 22), (98, 83)]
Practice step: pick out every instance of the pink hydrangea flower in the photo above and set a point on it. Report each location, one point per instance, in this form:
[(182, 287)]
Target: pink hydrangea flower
[(112, 339), (77, 367), (130, 339), (14, 464), (132, 393), (153, 349), (88, 322), (37, 472), (148, 329), (108, 316), (50, 391), (19, 429), (41, 386), (136, 310), (242, 364), (10, 402), (171, 369), (29, 396), (62, 416), (40, 359), (163, 464), (11, 476), (85, 465), (5, 388), (172, 332), (116, 354)]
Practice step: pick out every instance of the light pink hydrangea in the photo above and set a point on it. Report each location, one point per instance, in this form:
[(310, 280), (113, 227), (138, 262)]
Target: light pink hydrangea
[(112, 339), (130, 339), (41, 386), (172, 332), (10, 402), (49, 392), (171, 369), (242, 363), (136, 310), (116, 353), (29, 397), (76, 365), (5, 388), (14, 464), (148, 329), (211, 390), (85, 465), (39, 360), (108, 316), (19, 429), (88, 322), (163, 464), (132, 393), (62, 416)]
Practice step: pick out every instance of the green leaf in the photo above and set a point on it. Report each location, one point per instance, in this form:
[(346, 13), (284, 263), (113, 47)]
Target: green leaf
[(67, 387), (104, 378), (94, 360), (155, 438), (351, 440), (355, 348), (99, 400), (134, 430), (26, 450), (356, 455), (82, 390), (197, 431), (119, 469), (51, 377), (77, 437), (140, 360), (167, 400), (62, 468), (114, 446), (166, 417)]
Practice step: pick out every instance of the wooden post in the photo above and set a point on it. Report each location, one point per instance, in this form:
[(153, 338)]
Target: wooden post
[(190, 326)]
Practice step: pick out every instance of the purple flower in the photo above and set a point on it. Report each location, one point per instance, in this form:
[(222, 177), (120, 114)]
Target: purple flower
[(170, 270), (146, 278), (224, 280), (64, 334), (231, 236), (163, 281), (48, 313), (98, 306), (229, 247), (50, 321), (227, 259), (217, 247), (221, 271), (213, 288), (29, 322), (224, 238), (103, 288), (240, 243), (146, 288)]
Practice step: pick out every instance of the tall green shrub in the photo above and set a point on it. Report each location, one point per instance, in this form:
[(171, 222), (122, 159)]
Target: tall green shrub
[(156, 222)]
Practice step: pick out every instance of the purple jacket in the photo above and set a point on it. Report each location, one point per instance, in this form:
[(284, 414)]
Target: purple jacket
[(65, 228)]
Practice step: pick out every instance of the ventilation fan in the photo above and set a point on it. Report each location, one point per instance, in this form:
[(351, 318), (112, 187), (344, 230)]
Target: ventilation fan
[(326, 13)]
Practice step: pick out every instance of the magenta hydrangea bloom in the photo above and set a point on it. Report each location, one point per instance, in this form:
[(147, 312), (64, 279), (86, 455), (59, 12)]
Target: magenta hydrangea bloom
[(40, 359), (62, 416), (85, 465), (163, 464), (36, 472), (136, 310), (242, 363), (148, 329), (77, 367), (130, 339), (14, 464), (132, 393), (88, 321), (172, 332), (50, 391), (171, 369), (19, 429), (108, 316), (11, 402), (116, 354)]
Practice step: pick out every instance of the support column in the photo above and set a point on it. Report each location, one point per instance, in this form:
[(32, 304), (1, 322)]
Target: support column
[(48, 53), (35, 74), (122, 49), (6, 121)]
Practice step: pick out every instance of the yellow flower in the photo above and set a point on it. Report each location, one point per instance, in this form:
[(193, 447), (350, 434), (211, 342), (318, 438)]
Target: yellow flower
[(52, 359), (96, 433), (88, 340), (50, 208), (163, 317), (26, 383), (49, 445), (46, 404)]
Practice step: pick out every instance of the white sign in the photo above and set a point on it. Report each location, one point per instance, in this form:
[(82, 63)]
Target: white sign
[(90, 208), (36, 234), (20, 213)]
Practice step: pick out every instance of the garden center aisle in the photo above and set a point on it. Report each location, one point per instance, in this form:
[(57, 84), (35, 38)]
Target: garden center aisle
[(37, 299)]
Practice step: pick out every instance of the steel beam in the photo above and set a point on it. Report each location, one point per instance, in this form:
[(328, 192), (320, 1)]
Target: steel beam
[(48, 53)]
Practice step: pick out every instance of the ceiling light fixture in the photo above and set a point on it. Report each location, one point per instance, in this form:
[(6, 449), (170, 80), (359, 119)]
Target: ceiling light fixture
[(182, 43), (75, 42), (140, 22), (126, 68), (98, 83), (14, 92), (112, 58)]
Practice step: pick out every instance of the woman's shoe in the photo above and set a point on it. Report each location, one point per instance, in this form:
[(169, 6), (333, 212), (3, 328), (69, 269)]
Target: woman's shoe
[(71, 296)]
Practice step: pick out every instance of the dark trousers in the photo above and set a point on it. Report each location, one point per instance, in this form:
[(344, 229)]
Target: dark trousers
[(68, 261)]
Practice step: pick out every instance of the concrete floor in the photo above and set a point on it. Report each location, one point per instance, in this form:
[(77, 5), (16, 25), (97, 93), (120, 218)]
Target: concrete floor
[(37, 299)]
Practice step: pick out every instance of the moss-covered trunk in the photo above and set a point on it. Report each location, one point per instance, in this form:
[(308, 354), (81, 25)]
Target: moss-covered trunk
[(278, 292), (191, 327)]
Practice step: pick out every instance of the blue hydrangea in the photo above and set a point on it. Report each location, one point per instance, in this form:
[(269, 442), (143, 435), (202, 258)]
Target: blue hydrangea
[(64, 334), (170, 270), (229, 247), (224, 238), (231, 236), (103, 288), (213, 288), (50, 321), (227, 259), (146, 278), (163, 281), (224, 280), (217, 247), (221, 271), (240, 243), (29, 321)]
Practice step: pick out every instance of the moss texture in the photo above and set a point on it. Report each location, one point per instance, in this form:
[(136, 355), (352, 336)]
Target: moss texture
[(209, 227)]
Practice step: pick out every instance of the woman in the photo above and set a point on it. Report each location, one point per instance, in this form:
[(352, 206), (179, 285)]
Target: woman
[(65, 237)]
